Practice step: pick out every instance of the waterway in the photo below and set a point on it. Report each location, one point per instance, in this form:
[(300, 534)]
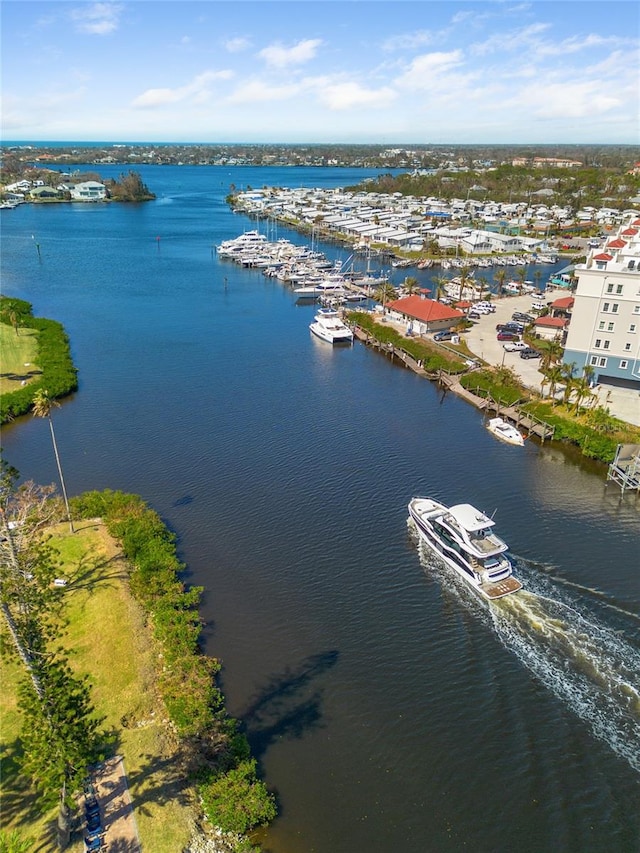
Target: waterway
[(389, 708)]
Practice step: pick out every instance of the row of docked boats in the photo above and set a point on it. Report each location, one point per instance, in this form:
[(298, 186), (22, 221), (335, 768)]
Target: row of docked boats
[(308, 272)]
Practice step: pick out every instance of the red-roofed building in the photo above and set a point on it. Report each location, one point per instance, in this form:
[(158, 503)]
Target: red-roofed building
[(616, 244), (424, 315), (562, 307), (551, 328)]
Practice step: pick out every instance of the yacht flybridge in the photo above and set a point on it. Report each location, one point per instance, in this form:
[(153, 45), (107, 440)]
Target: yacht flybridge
[(463, 537)]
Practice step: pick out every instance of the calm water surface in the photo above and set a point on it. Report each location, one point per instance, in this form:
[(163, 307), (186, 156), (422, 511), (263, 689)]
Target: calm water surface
[(389, 708)]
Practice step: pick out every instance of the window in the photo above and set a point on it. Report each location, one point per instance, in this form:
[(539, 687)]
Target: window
[(627, 347), (605, 307), (632, 328), (624, 364), (614, 309), (610, 288), (601, 326), (636, 309), (619, 288), (606, 344), (593, 360), (610, 327), (602, 362), (597, 343)]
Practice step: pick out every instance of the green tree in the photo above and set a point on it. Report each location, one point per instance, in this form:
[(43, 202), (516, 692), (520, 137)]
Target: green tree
[(500, 277), (42, 405), (237, 801), (411, 285), (385, 293)]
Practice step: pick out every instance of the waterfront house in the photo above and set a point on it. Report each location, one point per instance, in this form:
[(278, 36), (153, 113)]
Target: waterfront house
[(88, 191), (424, 315)]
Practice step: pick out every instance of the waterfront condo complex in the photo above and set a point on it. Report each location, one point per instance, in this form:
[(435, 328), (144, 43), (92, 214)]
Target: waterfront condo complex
[(605, 323)]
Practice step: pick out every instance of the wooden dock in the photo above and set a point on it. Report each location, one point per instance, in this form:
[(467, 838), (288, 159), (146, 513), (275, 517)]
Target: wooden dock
[(514, 414), (625, 468)]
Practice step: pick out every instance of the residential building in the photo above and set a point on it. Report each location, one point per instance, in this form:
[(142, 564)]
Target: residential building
[(424, 315), (605, 319)]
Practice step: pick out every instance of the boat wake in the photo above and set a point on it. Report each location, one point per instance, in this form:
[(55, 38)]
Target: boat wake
[(586, 663)]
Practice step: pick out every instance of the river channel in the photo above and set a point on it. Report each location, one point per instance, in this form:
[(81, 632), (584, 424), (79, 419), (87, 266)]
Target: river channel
[(390, 710)]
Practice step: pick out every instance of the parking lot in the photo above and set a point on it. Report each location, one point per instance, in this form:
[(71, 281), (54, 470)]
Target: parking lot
[(482, 338)]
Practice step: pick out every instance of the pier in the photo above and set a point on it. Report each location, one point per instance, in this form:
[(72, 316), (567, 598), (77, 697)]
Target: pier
[(625, 468)]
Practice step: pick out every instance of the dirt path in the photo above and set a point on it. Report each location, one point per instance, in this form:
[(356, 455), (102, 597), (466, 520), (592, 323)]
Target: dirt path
[(112, 792)]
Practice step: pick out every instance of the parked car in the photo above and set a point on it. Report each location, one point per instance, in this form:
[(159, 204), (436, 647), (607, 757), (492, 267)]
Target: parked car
[(515, 346), (521, 317), (510, 327), (444, 335), (538, 306), (474, 315), (487, 307), (529, 352), (508, 336)]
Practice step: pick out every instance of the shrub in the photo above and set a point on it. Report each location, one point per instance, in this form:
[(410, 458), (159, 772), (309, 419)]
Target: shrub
[(237, 801)]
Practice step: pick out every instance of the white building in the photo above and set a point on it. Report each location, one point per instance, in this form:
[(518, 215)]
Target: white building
[(88, 191), (605, 321)]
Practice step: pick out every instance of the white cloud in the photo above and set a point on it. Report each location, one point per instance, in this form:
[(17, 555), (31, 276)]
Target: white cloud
[(573, 100), (281, 57), (197, 91), (422, 70), (237, 45), (256, 91), (345, 96), (409, 41), (97, 19)]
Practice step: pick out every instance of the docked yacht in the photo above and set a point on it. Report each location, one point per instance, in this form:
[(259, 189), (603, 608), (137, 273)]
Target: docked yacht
[(319, 289), (328, 326), (505, 431), (463, 537)]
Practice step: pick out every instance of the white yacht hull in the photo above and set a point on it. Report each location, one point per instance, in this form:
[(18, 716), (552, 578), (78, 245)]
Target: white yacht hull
[(505, 432)]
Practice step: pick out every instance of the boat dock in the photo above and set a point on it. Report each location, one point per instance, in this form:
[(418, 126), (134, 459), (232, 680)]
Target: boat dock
[(625, 468), (513, 414)]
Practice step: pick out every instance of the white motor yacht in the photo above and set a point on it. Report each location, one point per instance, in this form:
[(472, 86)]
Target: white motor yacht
[(463, 537), (328, 326), (505, 431)]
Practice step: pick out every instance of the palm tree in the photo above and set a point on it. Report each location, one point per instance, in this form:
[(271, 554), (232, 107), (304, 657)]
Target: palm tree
[(553, 377), (567, 371), (42, 405), (439, 283), (411, 284), (384, 293), (521, 276), (552, 354), (465, 277), (500, 277)]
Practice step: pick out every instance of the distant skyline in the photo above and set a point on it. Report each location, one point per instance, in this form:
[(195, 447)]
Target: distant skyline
[(332, 71)]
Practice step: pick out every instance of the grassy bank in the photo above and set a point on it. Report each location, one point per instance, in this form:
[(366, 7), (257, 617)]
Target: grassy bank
[(54, 373), (110, 641)]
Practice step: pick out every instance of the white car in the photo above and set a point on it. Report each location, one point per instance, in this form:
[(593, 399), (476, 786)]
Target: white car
[(514, 346), (538, 306)]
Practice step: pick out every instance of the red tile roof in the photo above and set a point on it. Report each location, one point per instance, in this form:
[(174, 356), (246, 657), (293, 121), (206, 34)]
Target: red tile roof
[(563, 304), (552, 322), (427, 310), (603, 257), (629, 232), (616, 244)]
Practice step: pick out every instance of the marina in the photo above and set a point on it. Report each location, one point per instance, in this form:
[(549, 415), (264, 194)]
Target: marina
[(357, 664)]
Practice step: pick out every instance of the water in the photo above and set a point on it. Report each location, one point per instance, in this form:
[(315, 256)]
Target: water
[(389, 708)]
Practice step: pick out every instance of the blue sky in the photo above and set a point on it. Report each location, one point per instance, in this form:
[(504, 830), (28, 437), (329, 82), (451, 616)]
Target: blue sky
[(384, 72)]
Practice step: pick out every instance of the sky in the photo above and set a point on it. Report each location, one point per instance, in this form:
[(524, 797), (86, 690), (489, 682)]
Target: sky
[(321, 71)]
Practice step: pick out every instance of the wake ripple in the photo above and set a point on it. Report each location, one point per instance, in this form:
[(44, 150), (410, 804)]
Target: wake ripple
[(589, 666)]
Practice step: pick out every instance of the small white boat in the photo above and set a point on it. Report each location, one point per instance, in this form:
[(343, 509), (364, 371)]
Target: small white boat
[(505, 431), (328, 326), (463, 538)]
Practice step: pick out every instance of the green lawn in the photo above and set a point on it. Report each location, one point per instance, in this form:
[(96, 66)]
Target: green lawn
[(17, 357), (108, 640)]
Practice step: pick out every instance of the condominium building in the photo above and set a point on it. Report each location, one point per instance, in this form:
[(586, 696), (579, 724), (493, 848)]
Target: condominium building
[(605, 320)]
